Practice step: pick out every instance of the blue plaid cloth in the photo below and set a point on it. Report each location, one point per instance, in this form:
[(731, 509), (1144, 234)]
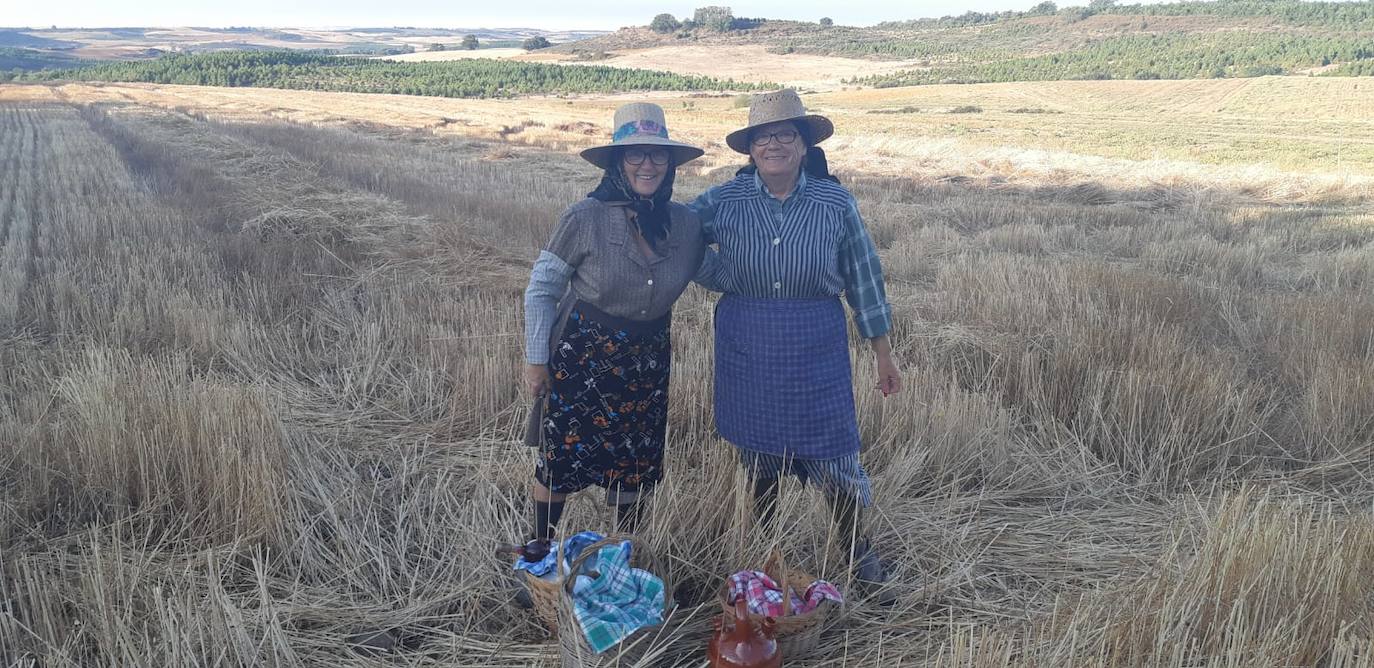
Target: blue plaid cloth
[(813, 244), (783, 380), (618, 601), (570, 549)]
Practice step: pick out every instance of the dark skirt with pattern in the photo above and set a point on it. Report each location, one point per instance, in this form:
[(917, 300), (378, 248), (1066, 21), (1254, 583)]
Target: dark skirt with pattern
[(607, 407)]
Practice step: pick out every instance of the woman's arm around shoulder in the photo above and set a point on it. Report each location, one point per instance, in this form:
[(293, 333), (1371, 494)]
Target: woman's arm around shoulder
[(704, 206)]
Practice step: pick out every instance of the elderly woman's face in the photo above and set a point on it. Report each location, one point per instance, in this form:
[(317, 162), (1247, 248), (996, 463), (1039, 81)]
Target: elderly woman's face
[(644, 167), (777, 149)]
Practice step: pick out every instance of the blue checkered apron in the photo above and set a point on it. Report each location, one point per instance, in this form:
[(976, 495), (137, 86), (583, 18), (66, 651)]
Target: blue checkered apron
[(783, 381)]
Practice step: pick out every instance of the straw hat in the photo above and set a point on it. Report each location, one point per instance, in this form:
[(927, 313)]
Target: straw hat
[(779, 105), (640, 124)]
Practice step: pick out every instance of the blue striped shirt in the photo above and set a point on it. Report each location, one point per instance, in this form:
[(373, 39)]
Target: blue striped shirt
[(813, 244)]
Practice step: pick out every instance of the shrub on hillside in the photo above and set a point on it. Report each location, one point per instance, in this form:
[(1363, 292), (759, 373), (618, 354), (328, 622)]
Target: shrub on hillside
[(664, 24), (715, 18), (535, 43)]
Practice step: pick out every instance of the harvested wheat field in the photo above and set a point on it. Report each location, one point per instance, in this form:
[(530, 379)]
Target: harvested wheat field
[(259, 406)]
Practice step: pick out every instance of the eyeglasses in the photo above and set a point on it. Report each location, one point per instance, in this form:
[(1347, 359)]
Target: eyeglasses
[(636, 156), (783, 137)]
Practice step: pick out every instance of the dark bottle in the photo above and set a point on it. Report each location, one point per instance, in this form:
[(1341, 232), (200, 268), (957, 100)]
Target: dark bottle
[(531, 552), (745, 645)]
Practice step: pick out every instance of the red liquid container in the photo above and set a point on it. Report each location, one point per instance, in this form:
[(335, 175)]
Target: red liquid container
[(745, 645)]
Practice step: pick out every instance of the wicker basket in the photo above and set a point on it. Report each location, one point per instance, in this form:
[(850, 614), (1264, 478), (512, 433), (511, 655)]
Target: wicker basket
[(576, 653), (797, 635), (544, 598), (543, 592)]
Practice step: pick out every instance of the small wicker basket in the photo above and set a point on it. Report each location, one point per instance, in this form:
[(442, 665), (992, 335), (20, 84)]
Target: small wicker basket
[(573, 646), (544, 598), (797, 635)]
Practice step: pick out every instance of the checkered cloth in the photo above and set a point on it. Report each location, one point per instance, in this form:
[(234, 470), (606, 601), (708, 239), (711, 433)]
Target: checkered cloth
[(544, 568), (618, 601), (783, 380), (763, 596)]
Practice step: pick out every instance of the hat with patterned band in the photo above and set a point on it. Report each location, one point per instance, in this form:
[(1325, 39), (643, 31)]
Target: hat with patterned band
[(640, 124), (779, 105)]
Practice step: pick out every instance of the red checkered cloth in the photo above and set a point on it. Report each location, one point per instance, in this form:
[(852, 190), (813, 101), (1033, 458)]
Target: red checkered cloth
[(764, 596)]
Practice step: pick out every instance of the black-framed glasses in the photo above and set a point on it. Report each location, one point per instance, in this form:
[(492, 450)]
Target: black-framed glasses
[(636, 156), (783, 137)]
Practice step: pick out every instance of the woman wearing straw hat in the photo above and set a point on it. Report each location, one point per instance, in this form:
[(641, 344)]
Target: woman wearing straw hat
[(791, 241), (597, 315)]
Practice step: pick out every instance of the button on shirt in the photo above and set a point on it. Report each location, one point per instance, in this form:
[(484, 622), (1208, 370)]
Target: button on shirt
[(811, 245), (594, 253)]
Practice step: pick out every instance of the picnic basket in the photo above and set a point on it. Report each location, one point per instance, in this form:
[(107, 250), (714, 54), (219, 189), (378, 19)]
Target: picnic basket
[(573, 646), (544, 595), (797, 635)]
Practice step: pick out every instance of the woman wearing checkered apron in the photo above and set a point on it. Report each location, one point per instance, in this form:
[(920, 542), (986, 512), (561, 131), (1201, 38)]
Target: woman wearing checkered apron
[(791, 241), (598, 311)]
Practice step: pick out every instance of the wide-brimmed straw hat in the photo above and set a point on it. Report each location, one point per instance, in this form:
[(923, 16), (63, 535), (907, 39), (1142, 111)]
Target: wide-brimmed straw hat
[(640, 124), (779, 105)]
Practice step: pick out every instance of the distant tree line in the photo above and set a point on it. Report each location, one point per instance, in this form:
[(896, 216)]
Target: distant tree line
[(1357, 15), (1337, 15), (470, 78), (714, 18), (1177, 56), (19, 60), (1360, 68)]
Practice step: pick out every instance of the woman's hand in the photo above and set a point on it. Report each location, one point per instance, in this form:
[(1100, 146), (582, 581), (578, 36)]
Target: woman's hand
[(536, 379), (889, 378)]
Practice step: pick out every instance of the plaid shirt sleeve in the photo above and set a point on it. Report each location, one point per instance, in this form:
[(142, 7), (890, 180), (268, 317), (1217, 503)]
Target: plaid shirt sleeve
[(712, 273), (548, 282), (863, 278), (704, 206)]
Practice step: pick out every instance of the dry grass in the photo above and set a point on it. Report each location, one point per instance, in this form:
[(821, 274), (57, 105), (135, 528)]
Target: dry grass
[(258, 399), (1272, 138)]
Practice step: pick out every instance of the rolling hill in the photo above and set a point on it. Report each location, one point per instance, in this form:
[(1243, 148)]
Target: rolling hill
[(1182, 40), (1230, 38)]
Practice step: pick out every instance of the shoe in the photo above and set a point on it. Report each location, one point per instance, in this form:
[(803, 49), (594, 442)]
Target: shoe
[(520, 591), (871, 576)]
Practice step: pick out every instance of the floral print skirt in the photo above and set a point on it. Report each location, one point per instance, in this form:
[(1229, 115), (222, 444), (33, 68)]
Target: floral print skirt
[(607, 406)]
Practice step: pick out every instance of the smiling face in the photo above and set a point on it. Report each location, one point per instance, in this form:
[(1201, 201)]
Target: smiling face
[(644, 167), (777, 157)]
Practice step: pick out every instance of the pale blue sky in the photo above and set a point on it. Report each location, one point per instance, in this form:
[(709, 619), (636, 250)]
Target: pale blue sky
[(550, 14)]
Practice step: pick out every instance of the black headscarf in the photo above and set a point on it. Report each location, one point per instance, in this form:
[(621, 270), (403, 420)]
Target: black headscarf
[(651, 213), (814, 163)]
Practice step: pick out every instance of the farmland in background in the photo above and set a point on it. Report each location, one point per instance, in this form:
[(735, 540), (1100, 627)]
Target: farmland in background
[(259, 354), (1045, 42), (463, 78)]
